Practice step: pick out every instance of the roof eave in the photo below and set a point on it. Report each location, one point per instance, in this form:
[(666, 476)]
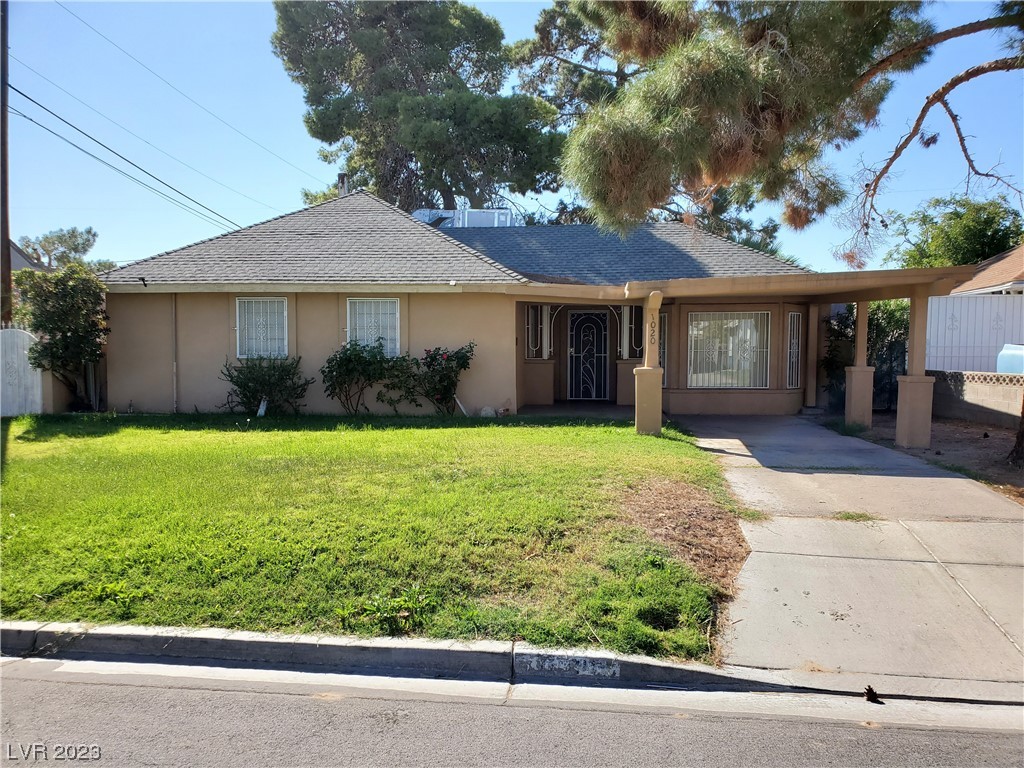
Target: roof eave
[(867, 285)]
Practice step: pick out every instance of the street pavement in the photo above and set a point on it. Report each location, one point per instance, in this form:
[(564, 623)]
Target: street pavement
[(929, 593), (169, 715)]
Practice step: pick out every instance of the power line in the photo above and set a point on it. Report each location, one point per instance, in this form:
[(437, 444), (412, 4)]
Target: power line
[(128, 176), (173, 87), (133, 164), (140, 138)]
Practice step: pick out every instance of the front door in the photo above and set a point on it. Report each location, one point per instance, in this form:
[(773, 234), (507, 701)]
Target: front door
[(588, 354)]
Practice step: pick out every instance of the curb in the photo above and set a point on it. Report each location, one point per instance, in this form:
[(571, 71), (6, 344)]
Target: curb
[(483, 660)]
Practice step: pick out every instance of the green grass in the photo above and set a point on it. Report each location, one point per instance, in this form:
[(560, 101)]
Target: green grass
[(854, 517), (462, 528)]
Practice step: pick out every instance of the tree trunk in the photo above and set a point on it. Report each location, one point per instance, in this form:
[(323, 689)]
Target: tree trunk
[(1016, 457), (448, 196)]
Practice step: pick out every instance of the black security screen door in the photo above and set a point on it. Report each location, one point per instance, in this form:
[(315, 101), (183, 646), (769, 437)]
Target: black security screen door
[(588, 355)]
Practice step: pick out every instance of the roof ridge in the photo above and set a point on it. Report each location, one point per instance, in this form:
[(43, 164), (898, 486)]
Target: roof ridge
[(236, 231), (471, 251)]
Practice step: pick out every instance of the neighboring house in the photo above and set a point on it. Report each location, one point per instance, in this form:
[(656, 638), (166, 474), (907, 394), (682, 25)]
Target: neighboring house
[(21, 260), (968, 328), (669, 318)]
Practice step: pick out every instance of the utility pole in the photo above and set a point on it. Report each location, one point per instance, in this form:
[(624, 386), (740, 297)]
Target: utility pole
[(5, 220)]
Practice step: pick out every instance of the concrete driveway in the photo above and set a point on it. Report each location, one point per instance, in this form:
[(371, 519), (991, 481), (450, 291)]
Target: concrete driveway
[(926, 599)]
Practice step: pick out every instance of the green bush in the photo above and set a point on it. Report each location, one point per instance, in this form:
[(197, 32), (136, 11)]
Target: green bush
[(433, 377), (352, 370), (277, 380)]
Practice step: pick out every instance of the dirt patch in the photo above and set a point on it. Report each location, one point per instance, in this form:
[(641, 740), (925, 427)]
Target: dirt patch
[(975, 450), (692, 525)]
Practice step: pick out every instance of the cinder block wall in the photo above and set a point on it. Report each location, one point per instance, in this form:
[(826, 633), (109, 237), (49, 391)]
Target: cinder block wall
[(985, 398)]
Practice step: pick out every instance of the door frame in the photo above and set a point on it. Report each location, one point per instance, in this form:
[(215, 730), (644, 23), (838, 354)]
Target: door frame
[(568, 355)]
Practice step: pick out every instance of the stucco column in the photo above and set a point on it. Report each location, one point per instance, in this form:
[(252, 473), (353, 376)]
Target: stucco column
[(914, 402), (811, 358), (648, 377), (860, 377)]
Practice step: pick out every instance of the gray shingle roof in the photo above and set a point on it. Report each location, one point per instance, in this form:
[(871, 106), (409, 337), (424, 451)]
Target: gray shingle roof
[(582, 254), (354, 239)]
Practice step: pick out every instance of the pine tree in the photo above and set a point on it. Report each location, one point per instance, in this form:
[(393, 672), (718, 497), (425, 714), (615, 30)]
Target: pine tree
[(755, 92), (410, 91)]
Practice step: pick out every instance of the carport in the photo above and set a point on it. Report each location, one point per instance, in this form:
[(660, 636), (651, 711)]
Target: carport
[(818, 292)]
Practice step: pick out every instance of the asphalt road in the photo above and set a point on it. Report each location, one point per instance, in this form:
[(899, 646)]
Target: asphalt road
[(176, 716)]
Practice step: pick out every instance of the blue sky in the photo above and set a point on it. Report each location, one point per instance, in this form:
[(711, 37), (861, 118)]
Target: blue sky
[(219, 54)]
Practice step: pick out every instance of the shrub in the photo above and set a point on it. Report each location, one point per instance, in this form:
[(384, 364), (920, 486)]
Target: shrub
[(277, 380), (352, 370), (434, 378), (65, 310)]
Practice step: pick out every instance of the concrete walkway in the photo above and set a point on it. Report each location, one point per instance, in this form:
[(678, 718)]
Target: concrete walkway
[(933, 589)]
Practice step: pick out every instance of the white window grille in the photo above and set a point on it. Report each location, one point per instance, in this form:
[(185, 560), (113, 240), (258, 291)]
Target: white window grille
[(793, 352), (632, 342), (728, 350), (261, 327), (538, 331), (370, 320)]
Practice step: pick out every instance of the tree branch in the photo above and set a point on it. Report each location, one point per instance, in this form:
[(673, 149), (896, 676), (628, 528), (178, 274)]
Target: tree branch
[(927, 42), (972, 168), (609, 73), (871, 188)]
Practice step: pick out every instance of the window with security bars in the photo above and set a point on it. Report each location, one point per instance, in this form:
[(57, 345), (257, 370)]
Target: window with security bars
[(538, 331), (728, 350), (632, 332), (262, 328), (373, 319), (793, 352)]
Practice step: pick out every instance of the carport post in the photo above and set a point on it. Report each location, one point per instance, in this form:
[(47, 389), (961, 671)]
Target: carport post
[(648, 405), (914, 401), (860, 377)]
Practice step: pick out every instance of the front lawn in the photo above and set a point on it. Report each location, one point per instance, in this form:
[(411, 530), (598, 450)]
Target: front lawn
[(438, 528)]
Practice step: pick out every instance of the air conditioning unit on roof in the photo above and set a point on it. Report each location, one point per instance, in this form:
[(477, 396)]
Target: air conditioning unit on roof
[(466, 217)]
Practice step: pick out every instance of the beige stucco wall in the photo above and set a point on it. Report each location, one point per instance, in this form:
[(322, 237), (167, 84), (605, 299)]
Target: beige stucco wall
[(451, 320), (141, 345), (139, 352), (538, 382)]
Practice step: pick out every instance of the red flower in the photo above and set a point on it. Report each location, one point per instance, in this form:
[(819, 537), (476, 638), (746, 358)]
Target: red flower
[(444, 357)]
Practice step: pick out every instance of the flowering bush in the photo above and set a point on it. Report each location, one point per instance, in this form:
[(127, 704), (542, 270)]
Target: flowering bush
[(433, 377), (352, 370)]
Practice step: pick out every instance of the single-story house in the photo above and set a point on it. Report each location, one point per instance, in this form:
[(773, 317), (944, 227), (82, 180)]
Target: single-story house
[(670, 319)]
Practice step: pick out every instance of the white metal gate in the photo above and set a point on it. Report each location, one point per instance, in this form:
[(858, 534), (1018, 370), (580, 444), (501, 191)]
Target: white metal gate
[(21, 385)]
